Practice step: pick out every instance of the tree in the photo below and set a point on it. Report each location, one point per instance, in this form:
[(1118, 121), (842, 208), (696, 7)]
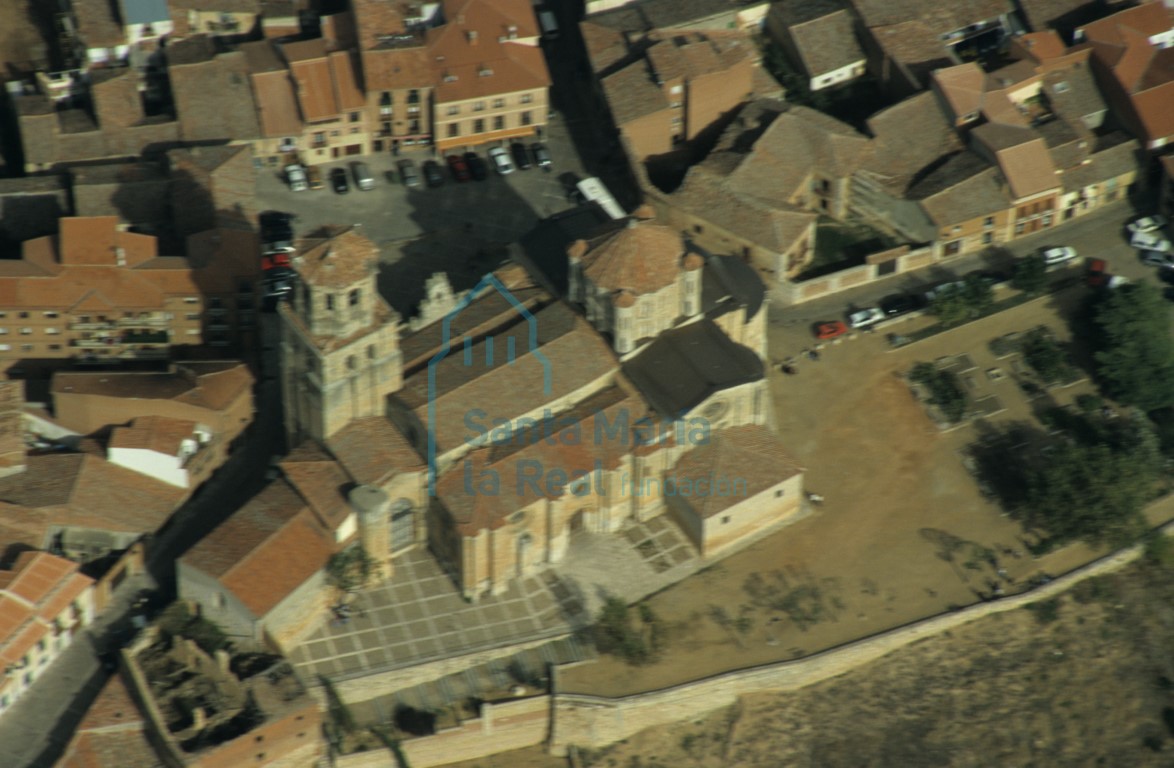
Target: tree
[(1133, 348), (944, 390), (1030, 275), (1045, 356), (615, 633), (968, 301), (350, 569), (1094, 491)]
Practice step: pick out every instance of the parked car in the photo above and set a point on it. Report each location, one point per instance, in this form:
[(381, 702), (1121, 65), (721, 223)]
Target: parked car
[(865, 318), (1157, 259), (521, 156), (363, 178), (1151, 241), (276, 231), (1057, 254), (338, 181), (314, 177), (830, 330), (541, 155), (991, 277), (944, 289), (458, 168), (279, 282), (477, 167), (408, 173), (296, 176), (432, 174), (897, 304), (501, 161), (1147, 224)]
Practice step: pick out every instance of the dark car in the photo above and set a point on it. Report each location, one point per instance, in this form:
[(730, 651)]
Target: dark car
[(477, 166), (279, 282), (432, 174), (458, 168), (541, 155), (899, 304), (521, 156), (338, 181), (276, 225), (992, 276)]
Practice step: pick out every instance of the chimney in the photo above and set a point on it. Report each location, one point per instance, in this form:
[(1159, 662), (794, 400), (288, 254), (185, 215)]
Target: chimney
[(472, 36)]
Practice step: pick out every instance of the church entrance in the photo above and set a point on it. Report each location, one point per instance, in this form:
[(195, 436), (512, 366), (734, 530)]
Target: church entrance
[(525, 544), (577, 524)]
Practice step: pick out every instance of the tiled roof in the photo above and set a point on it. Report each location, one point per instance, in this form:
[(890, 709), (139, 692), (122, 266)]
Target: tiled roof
[(245, 530), (36, 591), (310, 70), (1155, 110), (1148, 18), (321, 481), (97, 26), (111, 733), (1115, 159), (962, 86), (938, 16), (48, 481), (751, 456), (641, 258), (605, 46), (632, 94), (1079, 95), (208, 384), (914, 42), (576, 354), (214, 100), (407, 66), (1041, 14), (907, 138), (827, 43), (685, 366), (576, 442), (375, 20), (490, 63), (688, 55), (154, 433), (1023, 158), (962, 189), (338, 261), (273, 90), (344, 71), (112, 498), (279, 565), (373, 450)]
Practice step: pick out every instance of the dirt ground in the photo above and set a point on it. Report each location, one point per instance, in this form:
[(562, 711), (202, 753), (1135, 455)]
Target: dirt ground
[(872, 556), (1092, 686)]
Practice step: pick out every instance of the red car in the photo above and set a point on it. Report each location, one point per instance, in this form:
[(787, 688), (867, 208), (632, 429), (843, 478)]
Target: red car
[(458, 167), (830, 330), (274, 260)]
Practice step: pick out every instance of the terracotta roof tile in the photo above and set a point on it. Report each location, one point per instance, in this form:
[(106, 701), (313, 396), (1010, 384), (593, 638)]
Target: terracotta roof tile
[(827, 43), (321, 481), (279, 565), (208, 384), (338, 261), (753, 455), (641, 258), (154, 433), (632, 94), (373, 450), (245, 530), (512, 64), (310, 69)]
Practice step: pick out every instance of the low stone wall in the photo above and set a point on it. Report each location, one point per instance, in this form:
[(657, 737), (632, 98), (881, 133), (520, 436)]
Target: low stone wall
[(501, 727), (902, 259), (596, 721)]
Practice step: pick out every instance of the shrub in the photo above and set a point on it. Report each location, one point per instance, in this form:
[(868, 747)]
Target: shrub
[(945, 392), (1045, 356), (1030, 275), (1046, 611), (615, 633)]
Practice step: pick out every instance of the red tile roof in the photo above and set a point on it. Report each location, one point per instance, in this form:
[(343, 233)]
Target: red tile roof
[(641, 257), (750, 456)]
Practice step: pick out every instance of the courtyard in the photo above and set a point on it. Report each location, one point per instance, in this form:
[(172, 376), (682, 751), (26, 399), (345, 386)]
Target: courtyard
[(903, 533)]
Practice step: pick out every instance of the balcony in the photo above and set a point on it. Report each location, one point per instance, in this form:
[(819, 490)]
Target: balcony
[(385, 111), (148, 320), (101, 326), (146, 337), (94, 343)]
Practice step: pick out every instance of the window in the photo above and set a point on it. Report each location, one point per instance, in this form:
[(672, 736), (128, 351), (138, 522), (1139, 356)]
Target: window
[(330, 301), (186, 300), (498, 103), (526, 98), (24, 315), (676, 121), (988, 238), (498, 122), (350, 363), (454, 130), (386, 99), (413, 96), (525, 118), (50, 315), (5, 347), (354, 117), (953, 248), (353, 297), (989, 221), (52, 331), (478, 126), (370, 351), (1019, 228), (3, 331), (454, 110), (675, 105), (479, 106), (335, 133), (675, 89), (26, 347), (26, 331), (725, 519), (55, 347), (355, 129), (779, 494)]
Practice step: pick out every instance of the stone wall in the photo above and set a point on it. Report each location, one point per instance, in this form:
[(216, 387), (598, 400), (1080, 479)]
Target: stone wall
[(791, 293), (596, 721), (501, 727)]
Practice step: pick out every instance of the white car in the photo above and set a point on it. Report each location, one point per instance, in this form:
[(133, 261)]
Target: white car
[(501, 161), (866, 317), (296, 176), (1151, 241), (1147, 224), (1057, 255), (1156, 259)]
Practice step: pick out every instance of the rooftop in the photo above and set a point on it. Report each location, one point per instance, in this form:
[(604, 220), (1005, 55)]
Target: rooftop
[(641, 258), (753, 455)]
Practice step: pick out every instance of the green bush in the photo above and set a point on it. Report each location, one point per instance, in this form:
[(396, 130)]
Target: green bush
[(1030, 275), (615, 633), (178, 621), (1045, 356), (945, 391), (1045, 611)]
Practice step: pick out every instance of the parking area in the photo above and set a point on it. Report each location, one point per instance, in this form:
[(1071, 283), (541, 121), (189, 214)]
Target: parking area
[(443, 228)]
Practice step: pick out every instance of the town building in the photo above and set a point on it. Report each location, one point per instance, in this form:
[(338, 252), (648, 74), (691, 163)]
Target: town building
[(99, 293), (1133, 58), (44, 604), (819, 38)]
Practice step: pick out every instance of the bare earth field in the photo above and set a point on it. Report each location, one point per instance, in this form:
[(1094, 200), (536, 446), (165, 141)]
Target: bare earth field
[(871, 557), (1085, 681)]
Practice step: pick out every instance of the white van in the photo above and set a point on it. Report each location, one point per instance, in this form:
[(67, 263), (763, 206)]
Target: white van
[(363, 178)]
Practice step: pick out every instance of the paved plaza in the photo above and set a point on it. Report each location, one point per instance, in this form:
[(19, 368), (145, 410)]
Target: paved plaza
[(418, 616)]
